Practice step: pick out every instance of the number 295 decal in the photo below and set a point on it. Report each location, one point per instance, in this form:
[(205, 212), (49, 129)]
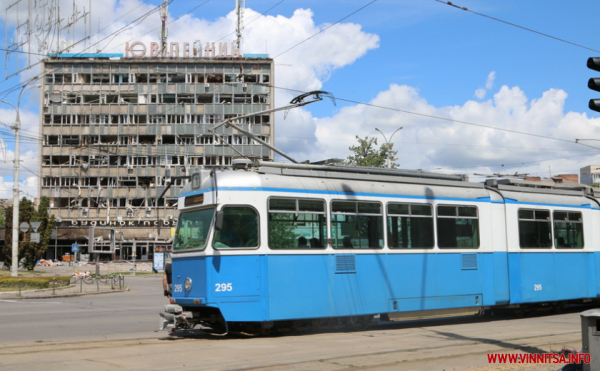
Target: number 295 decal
[(222, 287)]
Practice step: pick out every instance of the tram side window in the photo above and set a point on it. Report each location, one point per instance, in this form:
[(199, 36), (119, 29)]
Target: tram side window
[(535, 229), (356, 225), (240, 228), (192, 229), (410, 226), (297, 223), (457, 227), (568, 230)]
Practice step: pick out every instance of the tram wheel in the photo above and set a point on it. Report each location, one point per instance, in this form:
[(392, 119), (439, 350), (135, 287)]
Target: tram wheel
[(318, 322), (352, 320)]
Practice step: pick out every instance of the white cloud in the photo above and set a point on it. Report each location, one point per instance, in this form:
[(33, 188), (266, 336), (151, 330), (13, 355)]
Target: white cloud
[(481, 92), (430, 144), (425, 142)]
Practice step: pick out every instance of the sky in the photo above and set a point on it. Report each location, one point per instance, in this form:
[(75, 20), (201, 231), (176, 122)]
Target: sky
[(499, 88)]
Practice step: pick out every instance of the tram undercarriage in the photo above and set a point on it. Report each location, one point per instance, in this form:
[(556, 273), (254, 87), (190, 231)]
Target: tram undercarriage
[(175, 318)]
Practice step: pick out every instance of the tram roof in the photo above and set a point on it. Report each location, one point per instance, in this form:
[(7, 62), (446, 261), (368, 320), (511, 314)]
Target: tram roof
[(361, 173), (517, 185), (358, 173)]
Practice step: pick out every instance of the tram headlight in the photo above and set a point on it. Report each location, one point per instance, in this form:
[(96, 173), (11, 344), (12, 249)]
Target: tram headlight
[(188, 284)]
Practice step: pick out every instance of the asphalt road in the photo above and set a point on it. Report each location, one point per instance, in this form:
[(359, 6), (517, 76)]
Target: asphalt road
[(116, 332), (122, 315)]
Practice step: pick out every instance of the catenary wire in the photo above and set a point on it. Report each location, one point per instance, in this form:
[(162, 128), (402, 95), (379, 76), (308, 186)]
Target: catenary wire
[(515, 25), (447, 119), (325, 29)]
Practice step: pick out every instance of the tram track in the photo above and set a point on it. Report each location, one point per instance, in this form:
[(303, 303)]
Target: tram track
[(44, 347), (421, 358), (185, 350)]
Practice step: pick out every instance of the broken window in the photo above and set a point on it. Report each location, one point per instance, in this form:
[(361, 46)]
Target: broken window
[(177, 78), (168, 98), (251, 78), (91, 99), (205, 98), (139, 160), (214, 78), (83, 78), (147, 139), (242, 99), (120, 78), (112, 99), (141, 78), (168, 139), (156, 119), (186, 98), (186, 140), (100, 78), (129, 98)]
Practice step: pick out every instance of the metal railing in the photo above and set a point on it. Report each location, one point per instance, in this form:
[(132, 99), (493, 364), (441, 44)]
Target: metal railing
[(114, 280)]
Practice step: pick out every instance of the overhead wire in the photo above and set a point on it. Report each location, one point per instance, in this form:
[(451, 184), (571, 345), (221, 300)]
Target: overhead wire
[(406, 111), (447, 119), (515, 25), (87, 48), (525, 162), (99, 150), (174, 20), (116, 19), (325, 29), (262, 14), (125, 27)]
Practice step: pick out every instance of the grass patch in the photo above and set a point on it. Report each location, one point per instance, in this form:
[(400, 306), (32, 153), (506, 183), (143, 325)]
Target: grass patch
[(32, 283)]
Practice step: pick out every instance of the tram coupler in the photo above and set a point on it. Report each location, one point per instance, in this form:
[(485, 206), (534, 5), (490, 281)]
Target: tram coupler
[(174, 318)]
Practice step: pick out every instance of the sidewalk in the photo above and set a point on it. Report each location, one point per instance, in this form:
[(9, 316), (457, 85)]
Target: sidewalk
[(89, 286)]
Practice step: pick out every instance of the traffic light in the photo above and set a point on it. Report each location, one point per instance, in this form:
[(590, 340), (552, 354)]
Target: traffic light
[(594, 83)]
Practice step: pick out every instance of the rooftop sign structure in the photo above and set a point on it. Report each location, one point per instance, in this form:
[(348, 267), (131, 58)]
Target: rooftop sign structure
[(139, 49)]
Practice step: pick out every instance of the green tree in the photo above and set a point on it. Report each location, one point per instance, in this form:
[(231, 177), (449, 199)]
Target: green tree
[(366, 153), (31, 252)]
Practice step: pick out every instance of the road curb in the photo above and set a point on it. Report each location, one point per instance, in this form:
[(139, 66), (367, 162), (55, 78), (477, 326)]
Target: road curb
[(44, 294)]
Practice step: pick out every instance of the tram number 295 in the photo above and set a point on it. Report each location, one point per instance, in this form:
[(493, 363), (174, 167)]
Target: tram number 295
[(222, 287), (537, 287)]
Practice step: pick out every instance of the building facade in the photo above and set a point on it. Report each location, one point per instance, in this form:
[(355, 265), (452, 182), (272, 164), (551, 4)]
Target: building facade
[(590, 175), (117, 131)]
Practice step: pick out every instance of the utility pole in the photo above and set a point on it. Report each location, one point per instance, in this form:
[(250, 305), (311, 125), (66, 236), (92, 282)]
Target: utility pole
[(14, 267)]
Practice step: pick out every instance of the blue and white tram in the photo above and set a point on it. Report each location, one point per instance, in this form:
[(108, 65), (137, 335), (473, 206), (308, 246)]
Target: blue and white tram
[(263, 245)]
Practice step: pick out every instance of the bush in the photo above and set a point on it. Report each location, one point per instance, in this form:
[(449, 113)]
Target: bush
[(33, 283)]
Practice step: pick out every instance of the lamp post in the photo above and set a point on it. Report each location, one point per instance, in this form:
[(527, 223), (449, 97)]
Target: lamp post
[(14, 267), (389, 160)]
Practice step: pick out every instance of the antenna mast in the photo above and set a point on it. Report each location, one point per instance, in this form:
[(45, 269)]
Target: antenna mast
[(239, 10), (164, 12), (36, 26)]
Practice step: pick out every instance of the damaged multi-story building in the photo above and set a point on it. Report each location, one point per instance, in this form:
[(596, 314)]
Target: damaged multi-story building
[(116, 131)]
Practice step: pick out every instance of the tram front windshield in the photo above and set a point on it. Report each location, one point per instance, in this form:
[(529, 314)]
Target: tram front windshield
[(192, 229)]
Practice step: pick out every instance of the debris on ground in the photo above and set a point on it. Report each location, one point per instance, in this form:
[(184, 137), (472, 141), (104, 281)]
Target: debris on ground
[(78, 274)]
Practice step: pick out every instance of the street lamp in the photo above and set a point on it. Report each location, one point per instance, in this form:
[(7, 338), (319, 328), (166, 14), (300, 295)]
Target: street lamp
[(389, 160), (14, 267)]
